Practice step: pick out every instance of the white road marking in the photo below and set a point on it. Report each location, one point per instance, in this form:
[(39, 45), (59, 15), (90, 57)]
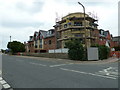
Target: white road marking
[(106, 70), (1, 78), (111, 71), (19, 60), (3, 82), (37, 64), (60, 65), (6, 86), (42, 65), (115, 73), (57, 65), (104, 73), (88, 73)]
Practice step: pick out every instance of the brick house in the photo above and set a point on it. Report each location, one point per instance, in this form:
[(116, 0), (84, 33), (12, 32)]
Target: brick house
[(31, 45), (104, 37), (50, 40), (41, 41), (116, 41)]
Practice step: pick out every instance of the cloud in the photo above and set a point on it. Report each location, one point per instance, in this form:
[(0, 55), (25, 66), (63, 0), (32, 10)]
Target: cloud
[(35, 7), (20, 18), (21, 24), (119, 18), (17, 34)]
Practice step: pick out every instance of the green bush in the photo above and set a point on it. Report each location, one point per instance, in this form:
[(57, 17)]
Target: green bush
[(76, 50), (117, 48)]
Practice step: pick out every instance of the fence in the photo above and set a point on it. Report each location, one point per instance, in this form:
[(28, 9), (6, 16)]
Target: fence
[(62, 50)]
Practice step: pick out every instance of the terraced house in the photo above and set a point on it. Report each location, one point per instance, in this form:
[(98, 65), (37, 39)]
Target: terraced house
[(41, 41), (72, 27)]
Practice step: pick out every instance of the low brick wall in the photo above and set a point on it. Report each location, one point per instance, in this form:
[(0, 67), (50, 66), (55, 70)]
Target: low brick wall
[(115, 54), (48, 55)]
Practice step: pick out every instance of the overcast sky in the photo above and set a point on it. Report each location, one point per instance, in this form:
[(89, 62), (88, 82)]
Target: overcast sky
[(21, 18)]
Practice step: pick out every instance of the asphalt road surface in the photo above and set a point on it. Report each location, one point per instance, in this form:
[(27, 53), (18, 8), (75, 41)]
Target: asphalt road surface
[(36, 72)]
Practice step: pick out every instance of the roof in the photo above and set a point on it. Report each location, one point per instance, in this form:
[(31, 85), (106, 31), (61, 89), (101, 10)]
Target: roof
[(51, 35), (43, 32), (31, 38), (117, 38)]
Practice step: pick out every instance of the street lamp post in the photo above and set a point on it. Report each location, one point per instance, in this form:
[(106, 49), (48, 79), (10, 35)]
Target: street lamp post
[(10, 38), (84, 28), (84, 23)]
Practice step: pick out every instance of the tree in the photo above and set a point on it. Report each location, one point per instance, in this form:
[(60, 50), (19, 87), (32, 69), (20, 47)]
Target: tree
[(76, 50), (16, 46), (2, 50)]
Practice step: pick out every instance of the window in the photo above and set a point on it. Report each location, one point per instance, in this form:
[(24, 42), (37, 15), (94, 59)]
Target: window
[(102, 32), (50, 42), (35, 46), (40, 46), (77, 23), (69, 23), (78, 35), (40, 41), (77, 29), (45, 42), (65, 26), (30, 45), (36, 51), (36, 42)]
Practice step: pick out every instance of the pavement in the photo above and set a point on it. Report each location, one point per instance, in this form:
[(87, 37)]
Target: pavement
[(109, 60), (38, 72)]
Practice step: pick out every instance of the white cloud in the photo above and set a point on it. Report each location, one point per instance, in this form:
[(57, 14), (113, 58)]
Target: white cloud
[(20, 18)]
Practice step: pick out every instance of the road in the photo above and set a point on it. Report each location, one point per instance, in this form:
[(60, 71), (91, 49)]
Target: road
[(37, 72)]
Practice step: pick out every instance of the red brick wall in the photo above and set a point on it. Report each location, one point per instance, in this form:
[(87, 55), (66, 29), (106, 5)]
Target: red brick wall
[(108, 36), (31, 47), (113, 44), (103, 42), (48, 46), (95, 34), (115, 54)]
